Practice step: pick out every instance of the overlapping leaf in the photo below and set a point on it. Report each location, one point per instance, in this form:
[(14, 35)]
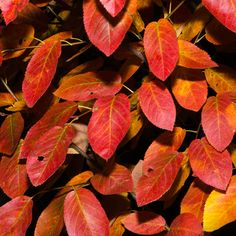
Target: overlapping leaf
[(48, 156), (161, 48), (90, 85), (109, 124), (104, 31), (16, 216), (40, 71), (189, 88), (212, 167), (113, 6), (84, 215), (157, 104), (144, 223)]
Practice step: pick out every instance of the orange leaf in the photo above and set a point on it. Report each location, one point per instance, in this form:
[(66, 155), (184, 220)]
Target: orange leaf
[(6, 99)]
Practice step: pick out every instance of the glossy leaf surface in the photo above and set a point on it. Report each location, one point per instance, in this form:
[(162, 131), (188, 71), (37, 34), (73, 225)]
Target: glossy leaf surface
[(113, 6)]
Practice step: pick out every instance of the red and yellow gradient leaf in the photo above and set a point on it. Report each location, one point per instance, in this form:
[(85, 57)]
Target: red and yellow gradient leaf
[(144, 223), (159, 175), (109, 124), (10, 133), (90, 85), (84, 215), (220, 208), (113, 7), (16, 216), (212, 167), (11, 8), (194, 200), (224, 11), (40, 71), (189, 88), (6, 99), (191, 56), (161, 48), (115, 180), (57, 115), (185, 224), (104, 31), (49, 153), (216, 121), (157, 104)]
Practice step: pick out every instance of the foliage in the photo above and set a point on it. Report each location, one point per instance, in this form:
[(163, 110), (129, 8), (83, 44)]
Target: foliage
[(117, 117)]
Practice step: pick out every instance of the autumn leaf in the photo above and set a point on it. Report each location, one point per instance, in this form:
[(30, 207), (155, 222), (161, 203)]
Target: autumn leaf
[(113, 7), (6, 99), (161, 48)]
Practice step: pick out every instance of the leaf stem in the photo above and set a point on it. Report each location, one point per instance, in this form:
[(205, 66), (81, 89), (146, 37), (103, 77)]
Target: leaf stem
[(54, 13), (177, 7), (8, 89), (191, 131), (128, 88)]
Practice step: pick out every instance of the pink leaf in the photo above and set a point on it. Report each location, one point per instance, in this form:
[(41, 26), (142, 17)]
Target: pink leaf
[(113, 6)]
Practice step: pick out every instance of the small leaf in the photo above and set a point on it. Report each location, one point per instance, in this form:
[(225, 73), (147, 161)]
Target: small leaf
[(157, 104), (16, 216), (113, 7), (6, 99), (90, 85), (117, 229), (161, 48), (144, 223), (40, 71), (191, 56), (212, 167), (10, 133), (53, 153), (109, 124), (84, 215)]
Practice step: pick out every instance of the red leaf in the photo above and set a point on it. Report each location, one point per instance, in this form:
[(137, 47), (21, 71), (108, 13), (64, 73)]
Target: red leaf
[(109, 124), (57, 115), (216, 122), (49, 153), (11, 8), (13, 176), (189, 88), (157, 104), (113, 6), (40, 71), (10, 133), (191, 56), (185, 224), (224, 11), (159, 175), (144, 223), (84, 215), (90, 85), (16, 216), (161, 48), (212, 167), (104, 31), (115, 180)]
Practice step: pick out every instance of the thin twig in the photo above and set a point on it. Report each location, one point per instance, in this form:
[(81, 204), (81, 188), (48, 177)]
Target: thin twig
[(9, 90), (177, 7)]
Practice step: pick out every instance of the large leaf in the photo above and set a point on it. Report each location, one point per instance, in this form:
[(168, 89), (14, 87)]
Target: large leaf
[(90, 85), (216, 121), (161, 48), (220, 208), (11, 8), (40, 71), (49, 153), (144, 223), (84, 215), (113, 6), (16, 216), (104, 31), (13, 176), (224, 11), (115, 180), (157, 104), (191, 56), (159, 175), (109, 124), (57, 115), (10, 133), (212, 167), (185, 224), (189, 88)]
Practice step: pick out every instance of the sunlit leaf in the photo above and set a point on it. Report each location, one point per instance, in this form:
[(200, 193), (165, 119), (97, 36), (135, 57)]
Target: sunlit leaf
[(212, 167), (117, 229), (6, 99), (84, 215), (161, 48), (109, 124), (113, 6)]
